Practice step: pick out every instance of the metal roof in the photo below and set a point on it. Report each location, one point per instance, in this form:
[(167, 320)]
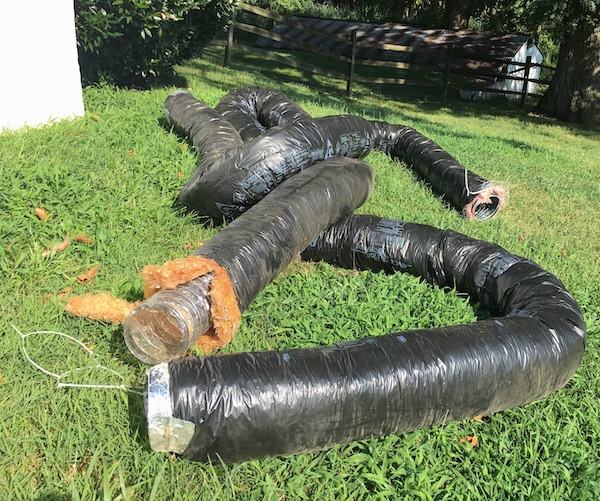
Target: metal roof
[(503, 46)]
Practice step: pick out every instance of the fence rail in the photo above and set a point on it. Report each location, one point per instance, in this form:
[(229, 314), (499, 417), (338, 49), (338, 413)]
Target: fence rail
[(350, 76)]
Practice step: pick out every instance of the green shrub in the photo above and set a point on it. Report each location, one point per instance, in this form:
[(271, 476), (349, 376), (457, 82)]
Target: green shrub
[(131, 43), (312, 8)]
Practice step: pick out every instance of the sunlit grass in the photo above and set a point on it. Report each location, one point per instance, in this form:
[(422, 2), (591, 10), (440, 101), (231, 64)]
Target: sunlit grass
[(113, 176)]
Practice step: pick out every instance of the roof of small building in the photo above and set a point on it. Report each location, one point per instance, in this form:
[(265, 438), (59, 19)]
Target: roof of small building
[(502, 46)]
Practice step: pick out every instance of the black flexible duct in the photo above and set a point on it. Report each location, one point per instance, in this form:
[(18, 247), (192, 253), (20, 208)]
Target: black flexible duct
[(166, 325), (249, 405), (282, 139), (253, 110)]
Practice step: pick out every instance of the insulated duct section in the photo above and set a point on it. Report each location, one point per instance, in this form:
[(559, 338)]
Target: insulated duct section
[(289, 184)]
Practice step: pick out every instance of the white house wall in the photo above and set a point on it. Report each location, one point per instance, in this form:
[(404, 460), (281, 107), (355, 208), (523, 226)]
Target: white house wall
[(40, 81)]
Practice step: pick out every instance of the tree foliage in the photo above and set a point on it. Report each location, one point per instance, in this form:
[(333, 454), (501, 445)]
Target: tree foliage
[(134, 42), (566, 16)]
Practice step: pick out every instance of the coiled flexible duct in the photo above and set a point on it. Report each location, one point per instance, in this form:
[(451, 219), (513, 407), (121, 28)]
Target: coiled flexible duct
[(233, 175), (250, 405)]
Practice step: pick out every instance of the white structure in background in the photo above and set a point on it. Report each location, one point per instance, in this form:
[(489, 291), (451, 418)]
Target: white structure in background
[(40, 81), (527, 49)]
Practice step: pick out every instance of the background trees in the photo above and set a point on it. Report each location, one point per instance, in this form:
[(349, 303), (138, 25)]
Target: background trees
[(571, 25), (574, 94), (134, 42)]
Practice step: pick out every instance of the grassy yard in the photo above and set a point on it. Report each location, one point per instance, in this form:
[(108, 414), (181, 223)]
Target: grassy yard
[(113, 175)]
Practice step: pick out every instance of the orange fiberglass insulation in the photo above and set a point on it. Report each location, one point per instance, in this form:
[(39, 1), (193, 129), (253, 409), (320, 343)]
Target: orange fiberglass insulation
[(224, 311)]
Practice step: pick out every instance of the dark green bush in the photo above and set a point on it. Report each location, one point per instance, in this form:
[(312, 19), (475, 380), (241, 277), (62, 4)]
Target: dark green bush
[(133, 43)]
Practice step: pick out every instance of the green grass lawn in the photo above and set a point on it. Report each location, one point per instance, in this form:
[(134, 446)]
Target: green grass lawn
[(113, 176)]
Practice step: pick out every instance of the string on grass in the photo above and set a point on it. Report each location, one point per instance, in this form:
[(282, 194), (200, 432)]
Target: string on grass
[(59, 377)]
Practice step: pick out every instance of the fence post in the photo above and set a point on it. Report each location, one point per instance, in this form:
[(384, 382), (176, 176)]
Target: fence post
[(447, 66), (352, 63), (229, 46), (525, 81)]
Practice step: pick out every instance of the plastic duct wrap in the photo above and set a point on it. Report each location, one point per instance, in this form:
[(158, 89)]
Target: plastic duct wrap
[(281, 139), (250, 405), (471, 194), (281, 226), (253, 110)]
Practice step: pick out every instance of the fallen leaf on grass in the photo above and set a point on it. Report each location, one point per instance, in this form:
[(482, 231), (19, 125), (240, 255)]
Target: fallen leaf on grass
[(193, 245), (480, 417), (84, 239), (56, 248), (89, 275), (1, 378), (41, 213), (95, 117), (79, 468), (61, 294), (471, 439), (180, 175)]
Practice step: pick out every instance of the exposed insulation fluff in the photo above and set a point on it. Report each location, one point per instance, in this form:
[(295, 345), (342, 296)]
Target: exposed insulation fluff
[(100, 306), (224, 310)]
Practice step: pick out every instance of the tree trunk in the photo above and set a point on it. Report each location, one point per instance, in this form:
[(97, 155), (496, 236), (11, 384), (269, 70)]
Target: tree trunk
[(574, 93), (457, 14)]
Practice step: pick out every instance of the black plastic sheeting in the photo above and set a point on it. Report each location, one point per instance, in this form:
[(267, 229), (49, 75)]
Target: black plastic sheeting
[(256, 138), (253, 249), (256, 247), (251, 405)]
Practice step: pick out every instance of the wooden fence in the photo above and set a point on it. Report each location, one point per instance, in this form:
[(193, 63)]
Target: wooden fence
[(442, 73)]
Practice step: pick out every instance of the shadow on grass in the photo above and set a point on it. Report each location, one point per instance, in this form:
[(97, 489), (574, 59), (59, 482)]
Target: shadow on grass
[(135, 398), (175, 80), (380, 100)]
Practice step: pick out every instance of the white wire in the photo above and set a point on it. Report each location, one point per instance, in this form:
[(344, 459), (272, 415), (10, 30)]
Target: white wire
[(59, 377), (469, 192)]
